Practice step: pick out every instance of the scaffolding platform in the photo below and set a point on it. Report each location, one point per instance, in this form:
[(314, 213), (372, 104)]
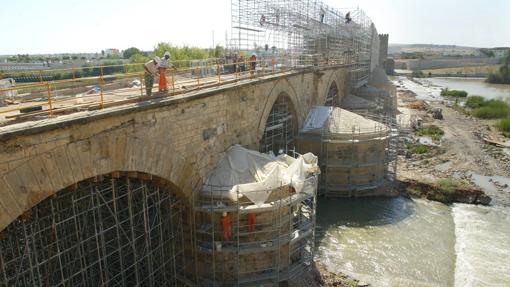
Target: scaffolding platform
[(255, 219), (357, 155)]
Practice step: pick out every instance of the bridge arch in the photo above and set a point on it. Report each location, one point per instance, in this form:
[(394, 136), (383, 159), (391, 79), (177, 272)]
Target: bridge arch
[(281, 117), (45, 174), (332, 92), (123, 229)]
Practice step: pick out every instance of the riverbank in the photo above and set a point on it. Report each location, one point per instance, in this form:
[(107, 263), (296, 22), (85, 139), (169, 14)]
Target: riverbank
[(320, 276), (462, 155)]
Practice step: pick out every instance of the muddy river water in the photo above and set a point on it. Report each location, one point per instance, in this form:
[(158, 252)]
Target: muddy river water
[(404, 242)]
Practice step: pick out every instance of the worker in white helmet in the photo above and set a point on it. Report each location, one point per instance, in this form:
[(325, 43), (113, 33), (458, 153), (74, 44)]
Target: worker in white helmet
[(165, 63)]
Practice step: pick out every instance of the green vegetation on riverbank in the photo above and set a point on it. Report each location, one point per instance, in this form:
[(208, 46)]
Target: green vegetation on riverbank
[(502, 76), (504, 126), (434, 132), (453, 93), (493, 109), (417, 148)]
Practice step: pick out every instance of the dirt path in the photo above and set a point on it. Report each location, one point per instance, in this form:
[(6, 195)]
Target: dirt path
[(462, 155)]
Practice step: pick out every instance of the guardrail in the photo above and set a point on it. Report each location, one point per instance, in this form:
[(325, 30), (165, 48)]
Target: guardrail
[(110, 87)]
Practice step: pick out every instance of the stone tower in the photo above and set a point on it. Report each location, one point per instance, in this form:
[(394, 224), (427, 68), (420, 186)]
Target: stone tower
[(383, 49)]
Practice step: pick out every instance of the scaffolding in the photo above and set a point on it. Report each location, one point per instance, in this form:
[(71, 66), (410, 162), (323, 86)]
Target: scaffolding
[(267, 241), (280, 128), (357, 158), (113, 231), (332, 96), (298, 31)]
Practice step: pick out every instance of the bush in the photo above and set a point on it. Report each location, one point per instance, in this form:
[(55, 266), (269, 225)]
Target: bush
[(491, 112), (433, 131), (447, 186), (504, 126), (453, 93), (417, 74), (474, 102), (418, 148)]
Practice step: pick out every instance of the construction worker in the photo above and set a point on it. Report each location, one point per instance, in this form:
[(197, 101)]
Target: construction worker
[(151, 68), (252, 220), (165, 63), (348, 18), (227, 227), (242, 65), (253, 63)]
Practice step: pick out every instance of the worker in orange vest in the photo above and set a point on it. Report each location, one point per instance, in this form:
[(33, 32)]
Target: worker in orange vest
[(252, 220), (227, 227), (164, 64)]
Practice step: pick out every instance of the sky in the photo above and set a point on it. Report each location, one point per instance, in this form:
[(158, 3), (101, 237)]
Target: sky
[(74, 26)]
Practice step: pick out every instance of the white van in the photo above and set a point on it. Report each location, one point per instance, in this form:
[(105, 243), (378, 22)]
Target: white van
[(4, 84)]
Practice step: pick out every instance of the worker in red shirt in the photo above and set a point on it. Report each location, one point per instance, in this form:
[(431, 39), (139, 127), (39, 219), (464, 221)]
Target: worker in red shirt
[(227, 227), (252, 220)]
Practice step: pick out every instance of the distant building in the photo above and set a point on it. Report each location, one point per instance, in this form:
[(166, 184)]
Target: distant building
[(111, 52)]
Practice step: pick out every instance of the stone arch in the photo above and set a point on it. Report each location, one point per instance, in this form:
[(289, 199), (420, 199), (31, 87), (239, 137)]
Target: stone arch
[(45, 174), (336, 78), (112, 229), (281, 126), (281, 87), (332, 95)]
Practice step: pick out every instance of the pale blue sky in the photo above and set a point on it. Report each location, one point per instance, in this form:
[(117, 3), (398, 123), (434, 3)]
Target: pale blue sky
[(57, 26)]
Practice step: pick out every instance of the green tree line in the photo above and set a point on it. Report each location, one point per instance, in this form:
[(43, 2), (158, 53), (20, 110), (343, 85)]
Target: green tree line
[(503, 75)]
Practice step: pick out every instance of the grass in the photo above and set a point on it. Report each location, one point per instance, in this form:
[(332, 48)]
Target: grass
[(504, 126), (474, 102), (417, 148), (495, 109), (446, 189), (453, 93), (490, 109), (447, 186), (433, 132)]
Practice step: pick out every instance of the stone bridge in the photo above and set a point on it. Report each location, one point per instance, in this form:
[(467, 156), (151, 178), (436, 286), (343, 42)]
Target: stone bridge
[(174, 139)]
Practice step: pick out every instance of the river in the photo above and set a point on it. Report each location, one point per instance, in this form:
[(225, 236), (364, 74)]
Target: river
[(404, 242), (473, 86)]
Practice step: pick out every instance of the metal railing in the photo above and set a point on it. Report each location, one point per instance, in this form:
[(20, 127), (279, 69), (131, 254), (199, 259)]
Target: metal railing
[(124, 83)]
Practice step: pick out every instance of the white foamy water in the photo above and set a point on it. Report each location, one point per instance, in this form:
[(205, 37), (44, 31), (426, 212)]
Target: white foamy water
[(482, 246), (401, 242)]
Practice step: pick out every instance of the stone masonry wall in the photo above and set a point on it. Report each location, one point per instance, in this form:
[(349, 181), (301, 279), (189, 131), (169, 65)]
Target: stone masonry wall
[(179, 139)]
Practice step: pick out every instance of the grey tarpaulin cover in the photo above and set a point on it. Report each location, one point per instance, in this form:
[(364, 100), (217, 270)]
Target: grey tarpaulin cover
[(337, 120), (255, 175)]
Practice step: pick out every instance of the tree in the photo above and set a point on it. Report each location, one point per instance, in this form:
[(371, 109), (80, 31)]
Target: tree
[(126, 54), (138, 58), (74, 57), (503, 75)]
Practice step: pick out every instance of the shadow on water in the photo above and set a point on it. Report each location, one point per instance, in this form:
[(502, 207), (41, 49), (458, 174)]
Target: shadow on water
[(360, 212)]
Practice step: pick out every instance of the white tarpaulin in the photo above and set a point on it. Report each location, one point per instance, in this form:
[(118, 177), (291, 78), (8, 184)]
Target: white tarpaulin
[(255, 175)]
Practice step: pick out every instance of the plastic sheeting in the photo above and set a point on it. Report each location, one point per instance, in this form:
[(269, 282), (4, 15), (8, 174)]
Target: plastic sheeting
[(255, 175), (339, 121)]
